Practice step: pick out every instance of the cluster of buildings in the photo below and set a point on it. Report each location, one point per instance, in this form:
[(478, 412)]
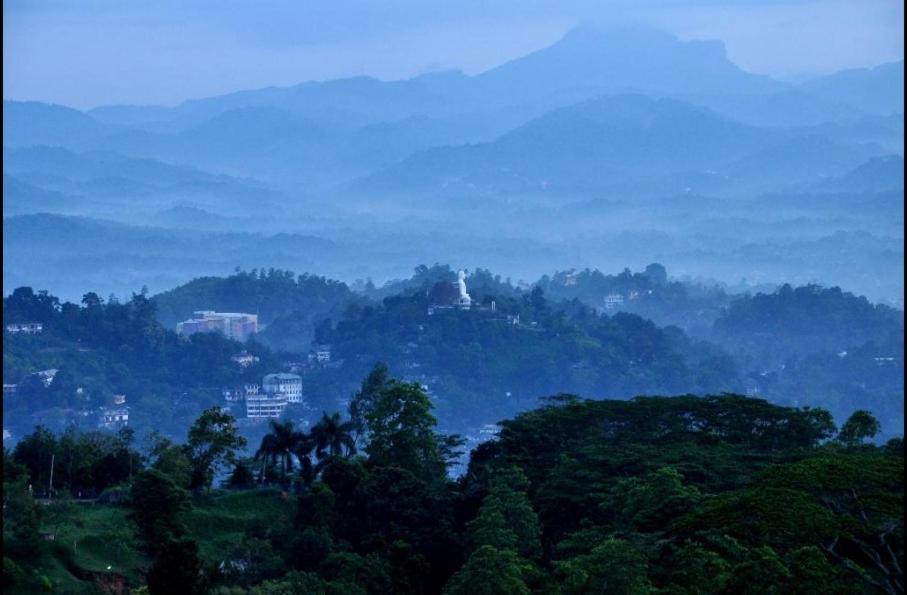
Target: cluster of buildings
[(26, 328), (270, 398), (234, 325), (614, 301)]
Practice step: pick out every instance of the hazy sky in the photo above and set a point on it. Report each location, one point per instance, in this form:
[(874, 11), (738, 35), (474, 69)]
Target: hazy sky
[(90, 53)]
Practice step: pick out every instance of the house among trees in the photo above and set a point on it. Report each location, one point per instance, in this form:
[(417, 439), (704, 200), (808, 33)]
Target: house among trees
[(613, 301), (245, 359), (113, 417), (320, 354), (47, 376)]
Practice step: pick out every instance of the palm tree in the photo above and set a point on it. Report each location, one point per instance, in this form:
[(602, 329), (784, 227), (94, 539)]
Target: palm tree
[(333, 436), (280, 443), (303, 450)]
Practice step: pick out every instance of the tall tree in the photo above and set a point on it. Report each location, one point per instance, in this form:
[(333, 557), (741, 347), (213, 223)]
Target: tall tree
[(859, 427), (332, 436), (506, 519), (401, 431), (212, 445), (364, 400), (281, 443), (490, 571), (157, 508)]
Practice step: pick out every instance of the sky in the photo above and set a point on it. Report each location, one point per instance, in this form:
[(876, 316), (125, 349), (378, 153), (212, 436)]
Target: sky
[(102, 52)]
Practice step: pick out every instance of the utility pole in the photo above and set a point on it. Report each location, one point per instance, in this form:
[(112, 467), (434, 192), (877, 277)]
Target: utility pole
[(50, 485)]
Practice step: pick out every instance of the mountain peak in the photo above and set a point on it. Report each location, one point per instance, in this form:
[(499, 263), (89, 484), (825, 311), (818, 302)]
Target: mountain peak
[(637, 58)]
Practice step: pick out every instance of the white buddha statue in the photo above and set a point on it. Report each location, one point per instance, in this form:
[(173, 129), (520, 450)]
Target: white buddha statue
[(464, 301)]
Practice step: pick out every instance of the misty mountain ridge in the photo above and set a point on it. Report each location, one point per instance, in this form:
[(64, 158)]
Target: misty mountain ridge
[(630, 129), (617, 143), (877, 91)]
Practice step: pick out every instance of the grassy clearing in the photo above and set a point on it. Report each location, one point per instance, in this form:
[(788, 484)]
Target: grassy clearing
[(99, 538), (218, 522)]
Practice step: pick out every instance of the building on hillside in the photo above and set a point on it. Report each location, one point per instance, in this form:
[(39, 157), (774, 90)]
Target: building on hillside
[(236, 394), (289, 385), (320, 354), (613, 301), (245, 359), (47, 376), (260, 404), (234, 325), (119, 399), (113, 417), (489, 430), (28, 328)]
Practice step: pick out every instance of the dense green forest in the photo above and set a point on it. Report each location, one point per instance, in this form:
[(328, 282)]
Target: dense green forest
[(489, 364), (794, 346), (681, 495)]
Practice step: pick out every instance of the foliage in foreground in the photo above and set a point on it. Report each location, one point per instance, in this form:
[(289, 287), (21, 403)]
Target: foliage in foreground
[(719, 494)]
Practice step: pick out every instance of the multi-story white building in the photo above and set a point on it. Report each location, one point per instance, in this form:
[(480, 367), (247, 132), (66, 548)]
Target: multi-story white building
[(261, 404), (289, 385), (234, 325)]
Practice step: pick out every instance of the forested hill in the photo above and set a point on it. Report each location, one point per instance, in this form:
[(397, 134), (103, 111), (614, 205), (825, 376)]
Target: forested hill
[(807, 319), (271, 294), (100, 349), (484, 364)]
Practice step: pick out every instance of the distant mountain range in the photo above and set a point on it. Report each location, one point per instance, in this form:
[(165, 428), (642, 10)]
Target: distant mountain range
[(628, 144), (550, 160)]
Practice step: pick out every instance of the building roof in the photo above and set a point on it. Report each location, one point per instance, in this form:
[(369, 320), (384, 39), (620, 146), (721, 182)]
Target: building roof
[(282, 376)]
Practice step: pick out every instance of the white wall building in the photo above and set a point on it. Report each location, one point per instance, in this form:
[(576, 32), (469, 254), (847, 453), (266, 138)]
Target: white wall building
[(112, 418), (245, 359), (234, 325), (289, 385), (261, 404)]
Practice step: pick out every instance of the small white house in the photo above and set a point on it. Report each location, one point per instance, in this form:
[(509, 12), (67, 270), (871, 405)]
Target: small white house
[(245, 359), (47, 376), (112, 418)]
